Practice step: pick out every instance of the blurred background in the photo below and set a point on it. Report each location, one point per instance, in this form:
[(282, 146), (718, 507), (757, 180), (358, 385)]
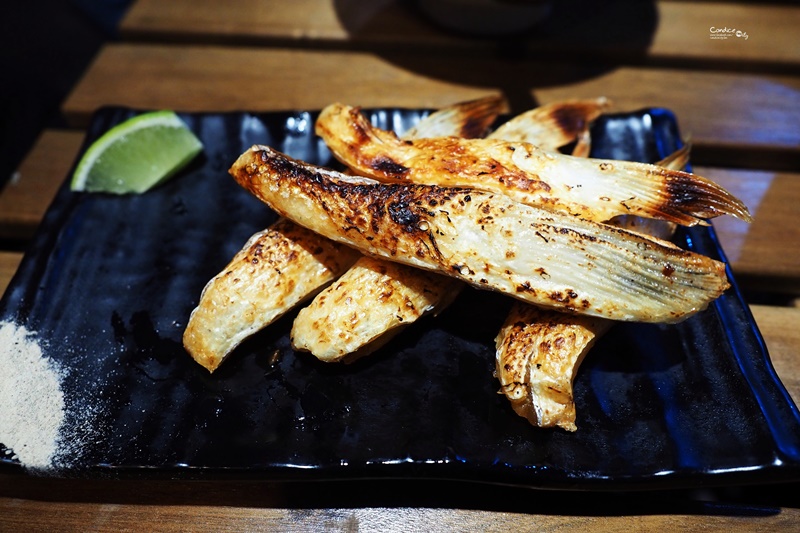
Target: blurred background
[(44, 48)]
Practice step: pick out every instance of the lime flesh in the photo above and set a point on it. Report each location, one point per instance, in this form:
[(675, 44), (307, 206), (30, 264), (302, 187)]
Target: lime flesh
[(136, 155)]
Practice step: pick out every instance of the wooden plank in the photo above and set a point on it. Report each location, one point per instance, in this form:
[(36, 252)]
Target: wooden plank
[(9, 262), (779, 327), (322, 22), (33, 515), (765, 254), (25, 199), (208, 78), (734, 119), (617, 29), (762, 37), (768, 33)]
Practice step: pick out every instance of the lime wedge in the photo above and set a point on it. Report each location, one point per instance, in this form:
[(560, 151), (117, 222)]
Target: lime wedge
[(136, 155)]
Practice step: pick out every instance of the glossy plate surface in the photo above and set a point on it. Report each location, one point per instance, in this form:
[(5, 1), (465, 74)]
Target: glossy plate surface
[(109, 283)]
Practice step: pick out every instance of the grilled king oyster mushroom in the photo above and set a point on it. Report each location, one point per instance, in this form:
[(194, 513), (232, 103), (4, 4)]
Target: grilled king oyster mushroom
[(490, 241)]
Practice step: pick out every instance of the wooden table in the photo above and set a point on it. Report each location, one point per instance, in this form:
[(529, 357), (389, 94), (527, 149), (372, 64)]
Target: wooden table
[(738, 99)]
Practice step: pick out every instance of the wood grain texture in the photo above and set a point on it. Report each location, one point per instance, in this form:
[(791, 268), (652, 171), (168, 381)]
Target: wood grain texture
[(769, 41), (685, 33), (9, 262), (765, 254), (25, 199), (209, 78), (732, 119), (30, 515), (728, 115), (321, 22), (779, 327), (43, 504)]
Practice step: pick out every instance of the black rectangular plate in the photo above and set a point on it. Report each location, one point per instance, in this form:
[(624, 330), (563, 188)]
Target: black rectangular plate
[(108, 284)]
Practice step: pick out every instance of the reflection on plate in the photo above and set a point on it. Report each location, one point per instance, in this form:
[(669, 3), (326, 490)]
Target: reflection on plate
[(109, 283)]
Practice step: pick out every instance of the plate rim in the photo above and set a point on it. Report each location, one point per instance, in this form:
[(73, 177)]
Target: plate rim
[(758, 369)]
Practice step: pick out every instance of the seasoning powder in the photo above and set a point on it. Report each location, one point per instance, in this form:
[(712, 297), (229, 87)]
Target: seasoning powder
[(32, 408)]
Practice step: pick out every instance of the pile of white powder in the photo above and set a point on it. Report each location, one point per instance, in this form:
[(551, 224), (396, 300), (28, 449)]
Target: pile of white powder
[(31, 399)]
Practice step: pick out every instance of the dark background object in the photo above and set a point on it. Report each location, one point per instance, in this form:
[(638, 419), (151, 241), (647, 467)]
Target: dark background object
[(45, 46)]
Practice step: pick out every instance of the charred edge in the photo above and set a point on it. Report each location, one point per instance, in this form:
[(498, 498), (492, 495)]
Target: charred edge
[(689, 196), (377, 194), (244, 171), (683, 193), (578, 235), (361, 127), (388, 167), (571, 119), (279, 167), (478, 116), (405, 205), (377, 211), (286, 168), (473, 128), (401, 214)]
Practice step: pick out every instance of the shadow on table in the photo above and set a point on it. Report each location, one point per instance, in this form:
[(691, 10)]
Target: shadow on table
[(573, 41), (303, 496)]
